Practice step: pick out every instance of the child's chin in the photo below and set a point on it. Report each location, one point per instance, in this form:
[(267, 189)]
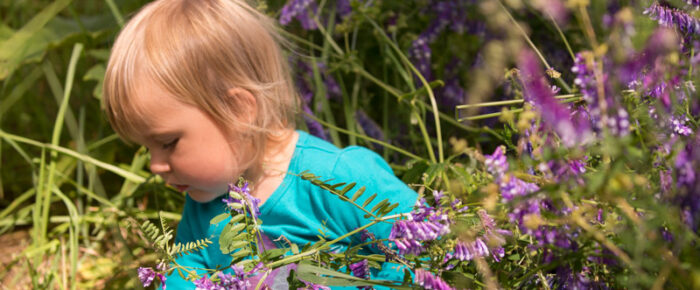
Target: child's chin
[(201, 196)]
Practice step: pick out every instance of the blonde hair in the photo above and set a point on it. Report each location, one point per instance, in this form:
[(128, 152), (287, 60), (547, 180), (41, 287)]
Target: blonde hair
[(198, 50)]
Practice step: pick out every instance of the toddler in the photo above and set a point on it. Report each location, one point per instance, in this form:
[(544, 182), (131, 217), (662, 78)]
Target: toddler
[(203, 84)]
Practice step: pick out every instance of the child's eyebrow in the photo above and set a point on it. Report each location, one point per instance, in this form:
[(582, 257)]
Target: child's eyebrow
[(161, 135)]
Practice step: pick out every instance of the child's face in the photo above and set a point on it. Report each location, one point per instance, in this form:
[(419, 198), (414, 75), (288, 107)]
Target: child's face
[(188, 149)]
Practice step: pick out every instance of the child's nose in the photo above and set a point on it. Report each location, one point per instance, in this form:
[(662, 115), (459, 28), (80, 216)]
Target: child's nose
[(159, 165)]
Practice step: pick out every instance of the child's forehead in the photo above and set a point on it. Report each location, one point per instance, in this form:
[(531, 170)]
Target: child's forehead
[(147, 105)]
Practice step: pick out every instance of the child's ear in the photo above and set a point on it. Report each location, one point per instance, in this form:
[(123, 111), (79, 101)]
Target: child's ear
[(246, 103)]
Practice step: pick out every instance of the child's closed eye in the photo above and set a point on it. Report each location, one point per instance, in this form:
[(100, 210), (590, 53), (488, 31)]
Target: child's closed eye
[(171, 144)]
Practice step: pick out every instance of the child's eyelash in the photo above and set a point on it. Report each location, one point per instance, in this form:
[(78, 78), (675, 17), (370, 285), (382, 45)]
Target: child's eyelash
[(170, 144)]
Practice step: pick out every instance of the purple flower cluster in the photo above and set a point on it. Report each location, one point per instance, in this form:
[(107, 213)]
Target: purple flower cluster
[(427, 280), (420, 54), (147, 275), (240, 280), (425, 223), (361, 270), (678, 125), (469, 251), (618, 124), (250, 202), (510, 186), (674, 18), (538, 92), (299, 9)]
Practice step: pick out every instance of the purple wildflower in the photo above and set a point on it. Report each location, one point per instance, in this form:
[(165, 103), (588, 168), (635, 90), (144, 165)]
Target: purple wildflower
[(486, 221), (425, 223), (418, 230), (496, 163), (315, 128), (146, 275), (678, 125), (420, 54), (343, 7), (427, 280), (469, 251), (249, 201), (672, 17), (299, 9), (361, 270), (510, 186), (685, 167), (204, 284), (537, 91)]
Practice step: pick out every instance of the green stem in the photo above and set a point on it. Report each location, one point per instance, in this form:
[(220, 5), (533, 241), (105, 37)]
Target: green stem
[(370, 139), (532, 45), (85, 158), (426, 85), (115, 11), (426, 137), (508, 102), (563, 37), (299, 256)]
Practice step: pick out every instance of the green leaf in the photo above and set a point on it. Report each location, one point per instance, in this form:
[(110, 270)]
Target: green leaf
[(335, 186), (369, 200), (310, 273), (347, 188), (237, 218), (23, 42), (219, 218), (358, 193), (388, 209), (380, 204), (241, 253)]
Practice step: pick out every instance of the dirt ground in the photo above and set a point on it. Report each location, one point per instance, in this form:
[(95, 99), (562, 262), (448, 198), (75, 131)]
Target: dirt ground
[(11, 245)]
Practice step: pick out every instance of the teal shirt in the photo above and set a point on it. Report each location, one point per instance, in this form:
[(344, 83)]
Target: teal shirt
[(297, 209)]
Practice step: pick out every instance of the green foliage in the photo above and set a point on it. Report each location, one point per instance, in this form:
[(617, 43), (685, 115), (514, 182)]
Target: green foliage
[(379, 210)]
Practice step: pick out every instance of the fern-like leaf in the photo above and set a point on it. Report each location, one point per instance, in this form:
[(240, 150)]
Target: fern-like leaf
[(379, 210)]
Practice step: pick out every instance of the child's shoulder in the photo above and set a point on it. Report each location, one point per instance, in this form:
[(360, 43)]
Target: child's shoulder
[(329, 158)]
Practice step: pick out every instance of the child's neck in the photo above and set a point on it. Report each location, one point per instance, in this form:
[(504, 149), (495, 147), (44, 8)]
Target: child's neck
[(275, 164)]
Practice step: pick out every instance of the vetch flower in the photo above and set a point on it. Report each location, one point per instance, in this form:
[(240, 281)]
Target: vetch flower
[(469, 251), (361, 270), (420, 54), (315, 128), (424, 223), (537, 91), (510, 186), (299, 9), (672, 17), (427, 280), (248, 201), (204, 284), (678, 125), (146, 275)]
